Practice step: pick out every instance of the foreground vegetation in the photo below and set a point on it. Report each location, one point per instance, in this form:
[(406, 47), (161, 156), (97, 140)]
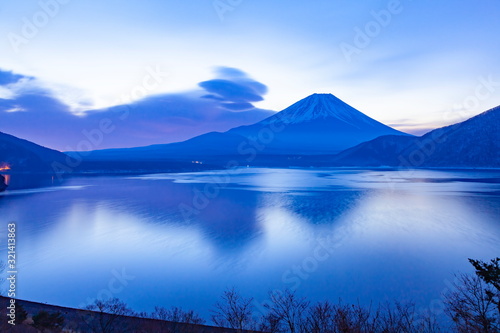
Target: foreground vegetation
[(472, 306)]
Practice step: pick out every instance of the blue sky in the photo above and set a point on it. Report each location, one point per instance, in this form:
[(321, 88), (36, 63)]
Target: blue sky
[(416, 64)]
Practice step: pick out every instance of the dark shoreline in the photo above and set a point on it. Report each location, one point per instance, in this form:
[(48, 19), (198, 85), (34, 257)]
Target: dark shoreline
[(75, 320)]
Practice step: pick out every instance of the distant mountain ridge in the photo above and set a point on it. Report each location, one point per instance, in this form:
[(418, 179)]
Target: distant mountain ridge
[(472, 143), (22, 155), (318, 124), (209, 144), (382, 151)]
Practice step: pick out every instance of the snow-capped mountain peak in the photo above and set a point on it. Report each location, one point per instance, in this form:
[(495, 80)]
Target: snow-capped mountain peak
[(319, 123), (322, 106)]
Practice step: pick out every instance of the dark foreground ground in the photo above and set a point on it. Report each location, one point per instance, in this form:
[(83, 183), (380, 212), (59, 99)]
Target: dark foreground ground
[(83, 321)]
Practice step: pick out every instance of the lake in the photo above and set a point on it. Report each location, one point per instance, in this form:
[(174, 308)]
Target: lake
[(181, 239)]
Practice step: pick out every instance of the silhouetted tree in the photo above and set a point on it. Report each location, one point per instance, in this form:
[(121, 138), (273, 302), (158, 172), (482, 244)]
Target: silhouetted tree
[(490, 274), (107, 316), (289, 310), (177, 315), (354, 318), (21, 314), (234, 311), (321, 318), (44, 321), (470, 306), (271, 324), (175, 320), (20, 317)]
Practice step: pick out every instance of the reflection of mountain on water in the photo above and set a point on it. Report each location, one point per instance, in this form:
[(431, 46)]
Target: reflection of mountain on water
[(231, 220), (227, 221), (335, 232), (317, 207), (228, 217)]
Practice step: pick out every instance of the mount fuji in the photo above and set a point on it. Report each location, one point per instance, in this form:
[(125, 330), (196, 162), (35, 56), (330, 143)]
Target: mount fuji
[(318, 124)]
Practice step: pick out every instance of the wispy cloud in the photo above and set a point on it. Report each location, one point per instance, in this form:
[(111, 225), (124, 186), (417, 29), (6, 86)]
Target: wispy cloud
[(234, 89), (29, 109)]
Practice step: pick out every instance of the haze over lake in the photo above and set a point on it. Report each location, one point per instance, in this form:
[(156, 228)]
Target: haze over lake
[(367, 235)]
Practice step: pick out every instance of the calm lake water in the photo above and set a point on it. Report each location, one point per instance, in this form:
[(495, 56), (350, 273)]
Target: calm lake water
[(181, 239)]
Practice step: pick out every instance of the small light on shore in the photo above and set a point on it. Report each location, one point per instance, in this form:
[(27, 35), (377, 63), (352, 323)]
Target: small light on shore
[(4, 167)]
